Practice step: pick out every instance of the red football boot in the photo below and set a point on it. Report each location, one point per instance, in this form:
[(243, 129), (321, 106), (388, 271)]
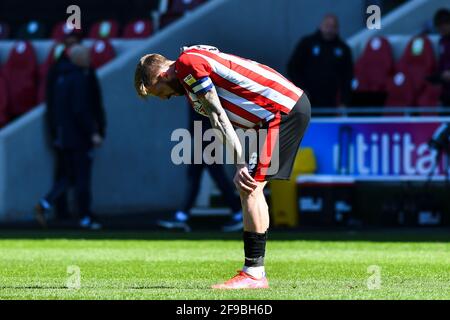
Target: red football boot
[(243, 281)]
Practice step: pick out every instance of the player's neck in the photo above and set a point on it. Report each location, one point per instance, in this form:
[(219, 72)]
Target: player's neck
[(171, 70)]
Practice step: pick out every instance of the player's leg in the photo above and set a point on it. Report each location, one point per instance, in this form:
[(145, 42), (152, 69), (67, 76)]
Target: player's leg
[(256, 224), (60, 186), (256, 211), (83, 161)]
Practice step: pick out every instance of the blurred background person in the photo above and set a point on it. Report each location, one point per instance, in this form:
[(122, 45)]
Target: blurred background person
[(322, 64), (180, 219), (442, 23), (77, 123), (61, 208)]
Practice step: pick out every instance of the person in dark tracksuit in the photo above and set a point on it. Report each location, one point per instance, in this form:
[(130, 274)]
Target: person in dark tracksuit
[(60, 206), (77, 124), (322, 65), (217, 172)]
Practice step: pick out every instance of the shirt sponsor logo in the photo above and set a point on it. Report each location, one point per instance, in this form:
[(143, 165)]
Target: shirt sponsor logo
[(190, 80)]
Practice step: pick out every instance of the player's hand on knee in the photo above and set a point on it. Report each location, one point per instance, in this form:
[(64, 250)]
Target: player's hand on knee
[(243, 181)]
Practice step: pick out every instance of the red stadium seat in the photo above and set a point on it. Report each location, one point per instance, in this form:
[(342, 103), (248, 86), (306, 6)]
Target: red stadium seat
[(400, 89), (20, 72), (4, 30), (61, 30), (101, 52), (140, 28), (54, 54), (181, 6), (104, 30), (375, 66), (429, 96), (420, 60), (4, 112)]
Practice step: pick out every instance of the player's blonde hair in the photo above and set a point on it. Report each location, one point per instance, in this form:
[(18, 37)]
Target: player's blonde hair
[(147, 71)]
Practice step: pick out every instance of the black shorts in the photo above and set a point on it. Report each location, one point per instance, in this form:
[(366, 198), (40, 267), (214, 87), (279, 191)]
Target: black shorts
[(278, 142)]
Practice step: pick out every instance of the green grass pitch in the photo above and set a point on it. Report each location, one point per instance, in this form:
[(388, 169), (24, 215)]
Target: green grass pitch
[(119, 265)]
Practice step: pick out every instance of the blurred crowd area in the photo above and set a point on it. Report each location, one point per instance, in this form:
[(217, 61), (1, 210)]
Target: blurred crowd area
[(23, 79), (322, 63)]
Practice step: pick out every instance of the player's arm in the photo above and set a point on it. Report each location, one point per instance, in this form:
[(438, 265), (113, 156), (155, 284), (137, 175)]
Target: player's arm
[(219, 120)]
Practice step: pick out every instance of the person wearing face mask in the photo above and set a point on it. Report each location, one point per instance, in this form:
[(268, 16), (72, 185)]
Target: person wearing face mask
[(322, 65)]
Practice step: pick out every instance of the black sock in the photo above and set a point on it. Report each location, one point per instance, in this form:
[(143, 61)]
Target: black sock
[(254, 248)]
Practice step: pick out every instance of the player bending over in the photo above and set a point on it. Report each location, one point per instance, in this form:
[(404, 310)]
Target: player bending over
[(233, 91)]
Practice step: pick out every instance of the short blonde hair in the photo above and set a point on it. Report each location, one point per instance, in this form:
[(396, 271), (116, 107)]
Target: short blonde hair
[(147, 71)]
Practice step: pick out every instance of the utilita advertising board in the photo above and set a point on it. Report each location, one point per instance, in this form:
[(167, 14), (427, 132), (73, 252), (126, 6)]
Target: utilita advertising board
[(385, 147)]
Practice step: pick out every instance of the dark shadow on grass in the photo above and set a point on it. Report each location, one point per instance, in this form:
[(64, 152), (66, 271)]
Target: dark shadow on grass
[(33, 287), (376, 235), (153, 287)]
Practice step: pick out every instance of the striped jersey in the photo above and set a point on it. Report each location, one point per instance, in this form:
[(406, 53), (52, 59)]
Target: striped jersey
[(251, 93)]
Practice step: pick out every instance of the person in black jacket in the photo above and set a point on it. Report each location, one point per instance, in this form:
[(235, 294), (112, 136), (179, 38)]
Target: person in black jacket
[(60, 206), (322, 65), (77, 124)]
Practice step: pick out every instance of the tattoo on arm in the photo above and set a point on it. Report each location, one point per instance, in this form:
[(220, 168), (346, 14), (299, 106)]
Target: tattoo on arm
[(219, 120)]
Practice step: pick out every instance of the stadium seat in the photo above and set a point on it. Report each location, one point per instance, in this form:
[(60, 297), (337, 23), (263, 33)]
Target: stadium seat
[(101, 52), (400, 89), (20, 72), (420, 60), (104, 30), (4, 30), (31, 30), (375, 66), (140, 28), (54, 54), (61, 30), (4, 112)]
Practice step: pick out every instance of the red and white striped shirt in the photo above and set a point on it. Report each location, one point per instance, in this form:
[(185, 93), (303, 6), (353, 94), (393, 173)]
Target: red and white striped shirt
[(251, 93)]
